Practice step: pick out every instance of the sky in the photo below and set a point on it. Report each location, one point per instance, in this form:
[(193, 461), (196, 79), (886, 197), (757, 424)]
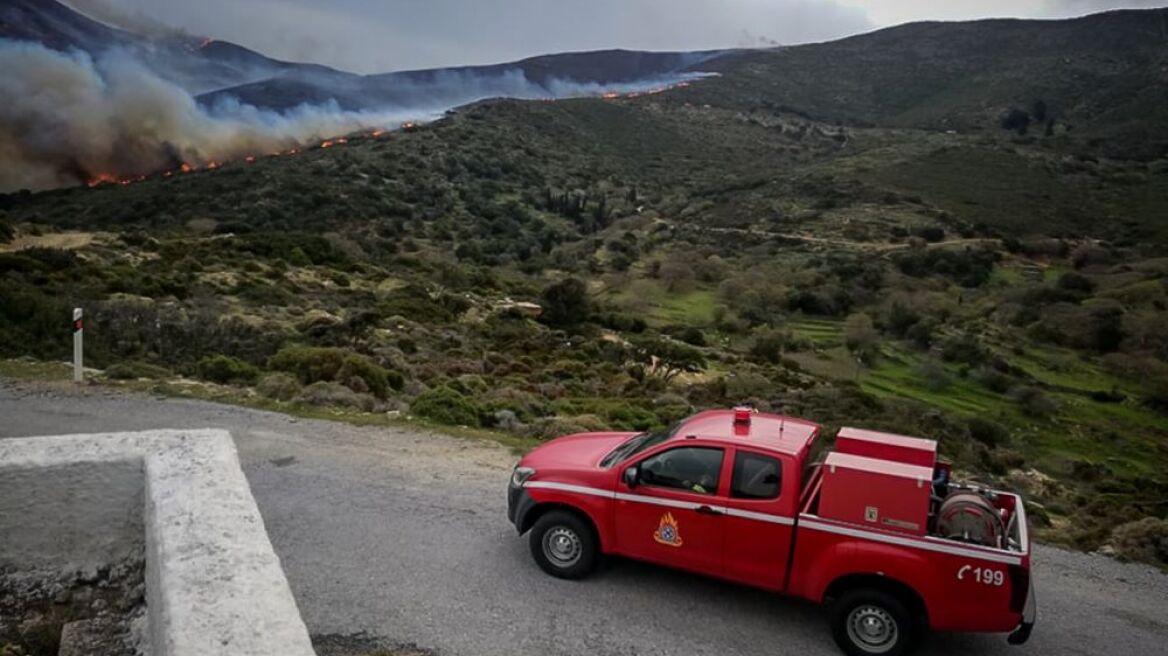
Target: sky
[(371, 36)]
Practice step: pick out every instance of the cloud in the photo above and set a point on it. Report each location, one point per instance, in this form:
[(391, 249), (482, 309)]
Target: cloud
[(381, 35), (1079, 7)]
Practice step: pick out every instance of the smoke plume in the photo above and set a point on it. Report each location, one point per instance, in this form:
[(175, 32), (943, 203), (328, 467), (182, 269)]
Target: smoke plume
[(68, 118)]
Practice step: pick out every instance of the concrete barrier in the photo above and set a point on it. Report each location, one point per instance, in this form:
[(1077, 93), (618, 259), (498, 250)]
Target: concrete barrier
[(213, 583)]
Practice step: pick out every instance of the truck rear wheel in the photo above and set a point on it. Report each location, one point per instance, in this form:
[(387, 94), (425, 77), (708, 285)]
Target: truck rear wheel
[(564, 545), (871, 622)]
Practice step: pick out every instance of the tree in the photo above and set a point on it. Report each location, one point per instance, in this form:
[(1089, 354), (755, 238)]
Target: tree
[(667, 357), (860, 336), (565, 303)]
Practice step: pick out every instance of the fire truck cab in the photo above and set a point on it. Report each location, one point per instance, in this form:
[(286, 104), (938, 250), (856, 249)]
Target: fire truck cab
[(874, 528)]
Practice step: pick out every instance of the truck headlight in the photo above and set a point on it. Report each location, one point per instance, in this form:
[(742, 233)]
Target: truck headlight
[(520, 475)]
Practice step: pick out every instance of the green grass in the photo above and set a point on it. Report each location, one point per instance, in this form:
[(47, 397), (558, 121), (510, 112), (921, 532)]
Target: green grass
[(32, 370), (692, 308), (824, 333), (896, 375)]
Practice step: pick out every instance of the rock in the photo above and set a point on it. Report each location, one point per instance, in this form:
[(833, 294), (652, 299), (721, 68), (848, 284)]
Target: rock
[(508, 421), (90, 638)]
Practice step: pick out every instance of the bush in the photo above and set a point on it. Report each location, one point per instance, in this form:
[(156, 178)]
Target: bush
[(7, 233), (988, 432), (1032, 402), (446, 406), (551, 427), (227, 370), (313, 365), (992, 379), (325, 393), (630, 417), (965, 349), (133, 370), (1145, 540), (279, 386), (769, 344), (565, 303)]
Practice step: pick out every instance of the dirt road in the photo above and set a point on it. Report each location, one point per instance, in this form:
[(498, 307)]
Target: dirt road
[(403, 535)]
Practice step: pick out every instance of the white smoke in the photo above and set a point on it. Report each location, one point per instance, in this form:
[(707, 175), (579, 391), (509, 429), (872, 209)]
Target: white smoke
[(68, 118)]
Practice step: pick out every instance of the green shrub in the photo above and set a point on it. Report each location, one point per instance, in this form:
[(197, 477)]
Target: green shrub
[(133, 370), (552, 427), (7, 233), (279, 386), (313, 365), (1033, 402), (565, 303), (19, 264), (446, 406), (987, 431), (631, 417), (227, 370)]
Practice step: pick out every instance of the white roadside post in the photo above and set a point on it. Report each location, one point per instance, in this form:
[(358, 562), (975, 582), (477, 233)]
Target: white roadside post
[(77, 332)]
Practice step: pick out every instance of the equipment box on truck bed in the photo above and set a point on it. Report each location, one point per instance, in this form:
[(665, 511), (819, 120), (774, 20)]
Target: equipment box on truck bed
[(881, 494)]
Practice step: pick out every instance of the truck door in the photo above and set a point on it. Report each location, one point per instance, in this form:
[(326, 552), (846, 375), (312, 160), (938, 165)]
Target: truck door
[(759, 523), (674, 516)]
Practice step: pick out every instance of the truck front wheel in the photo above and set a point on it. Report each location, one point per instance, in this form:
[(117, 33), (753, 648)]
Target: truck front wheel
[(564, 545), (871, 622)]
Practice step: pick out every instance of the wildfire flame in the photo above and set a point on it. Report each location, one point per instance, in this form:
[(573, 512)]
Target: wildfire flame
[(211, 165)]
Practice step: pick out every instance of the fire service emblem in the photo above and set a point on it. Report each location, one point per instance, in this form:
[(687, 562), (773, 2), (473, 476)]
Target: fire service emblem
[(667, 532)]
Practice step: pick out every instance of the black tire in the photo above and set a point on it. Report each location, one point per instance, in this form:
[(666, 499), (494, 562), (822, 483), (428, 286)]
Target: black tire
[(564, 545), (880, 623)]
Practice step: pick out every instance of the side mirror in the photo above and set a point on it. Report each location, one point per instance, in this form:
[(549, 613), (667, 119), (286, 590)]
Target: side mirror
[(632, 476)]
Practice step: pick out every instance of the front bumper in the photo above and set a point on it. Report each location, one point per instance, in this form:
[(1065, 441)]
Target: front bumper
[(1029, 617), (519, 503)]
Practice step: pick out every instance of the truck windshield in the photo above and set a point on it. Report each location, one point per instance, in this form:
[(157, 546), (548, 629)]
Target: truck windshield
[(638, 443)]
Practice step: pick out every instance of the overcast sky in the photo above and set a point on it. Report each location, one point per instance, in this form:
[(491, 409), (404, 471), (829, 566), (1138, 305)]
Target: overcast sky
[(381, 35)]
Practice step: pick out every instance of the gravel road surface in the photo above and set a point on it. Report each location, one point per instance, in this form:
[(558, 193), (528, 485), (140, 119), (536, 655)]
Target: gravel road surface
[(402, 534)]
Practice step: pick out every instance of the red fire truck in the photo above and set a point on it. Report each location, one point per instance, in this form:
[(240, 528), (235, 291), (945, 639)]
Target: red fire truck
[(874, 528)]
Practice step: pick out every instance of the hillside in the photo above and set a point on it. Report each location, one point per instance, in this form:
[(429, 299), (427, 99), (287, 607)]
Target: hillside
[(540, 267), (1101, 74)]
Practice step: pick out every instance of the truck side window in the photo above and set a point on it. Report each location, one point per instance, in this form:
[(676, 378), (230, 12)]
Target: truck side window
[(693, 469), (756, 477)]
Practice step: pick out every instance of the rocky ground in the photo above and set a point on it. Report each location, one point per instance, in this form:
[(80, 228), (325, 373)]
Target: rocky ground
[(88, 613)]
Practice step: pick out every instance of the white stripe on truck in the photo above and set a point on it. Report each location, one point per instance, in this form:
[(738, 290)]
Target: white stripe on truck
[(810, 522), (927, 543)]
